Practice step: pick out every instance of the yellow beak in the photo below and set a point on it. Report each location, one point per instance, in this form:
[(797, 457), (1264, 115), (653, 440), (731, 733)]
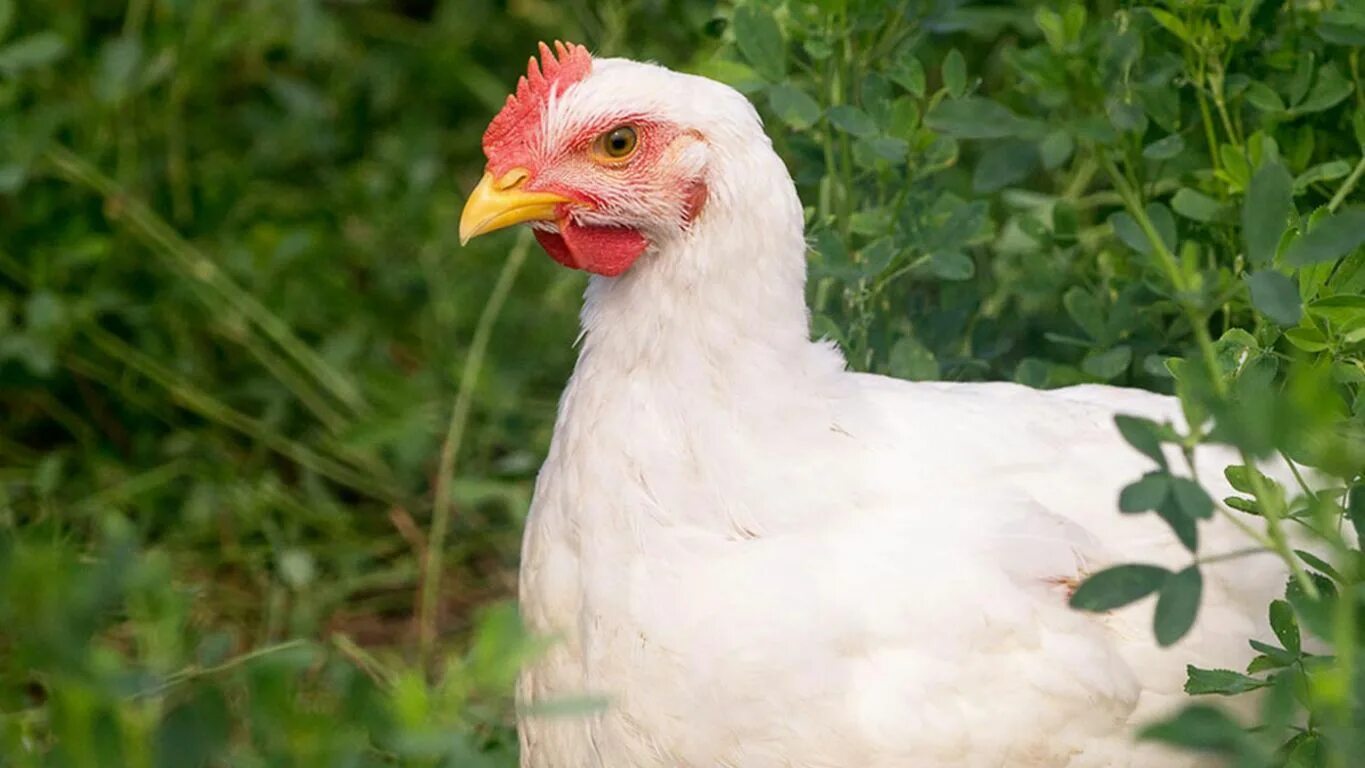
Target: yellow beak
[(498, 203)]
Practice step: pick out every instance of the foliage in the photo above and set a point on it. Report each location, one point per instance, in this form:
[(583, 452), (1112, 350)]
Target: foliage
[(234, 317), (1067, 194), (241, 353)]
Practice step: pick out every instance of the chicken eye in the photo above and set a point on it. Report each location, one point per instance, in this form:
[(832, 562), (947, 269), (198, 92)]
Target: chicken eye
[(618, 143)]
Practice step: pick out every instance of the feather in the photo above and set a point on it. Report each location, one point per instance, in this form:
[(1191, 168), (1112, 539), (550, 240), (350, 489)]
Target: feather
[(759, 559)]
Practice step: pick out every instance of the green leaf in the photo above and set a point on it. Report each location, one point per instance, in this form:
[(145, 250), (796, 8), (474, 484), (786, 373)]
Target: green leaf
[(31, 52), (902, 118), (876, 256), (6, 16), (1201, 727), (1164, 223), (1307, 752), (793, 106), (1342, 311), (1355, 509), (908, 73), (880, 149), (1343, 25), (1142, 434), (118, 65), (1118, 586), (1333, 237), (735, 74), (1004, 164), (872, 222), (1265, 212), (1240, 478), (1126, 116), (1319, 564), (1263, 663), (759, 40), (974, 117), (1235, 349), (1108, 364), (1328, 171), (1182, 525), (1277, 655), (1191, 498), (1315, 615), (1307, 339), (1055, 148), (1050, 23), (1263, 97), (1085, 311), (823, 327), (1196, 205), (1164, 149), (1148, 492), (1127, 230), (1131, 233), (955, 73), (818, 48), (1171, 22), (951, 265), (1276, 296), (1329, 89), (197, 729), (1224, 682), (911, 360), (852, 120), (1283, 623), (1236, 167)]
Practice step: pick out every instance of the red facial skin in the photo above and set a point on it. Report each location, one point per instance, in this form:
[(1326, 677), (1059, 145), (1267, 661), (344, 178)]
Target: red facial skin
[(638, 186), (595, 183), (607, 251)]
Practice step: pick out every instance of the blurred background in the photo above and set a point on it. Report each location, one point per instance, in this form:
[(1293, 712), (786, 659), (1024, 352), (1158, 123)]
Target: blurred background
[(245, 367), (233, 319)]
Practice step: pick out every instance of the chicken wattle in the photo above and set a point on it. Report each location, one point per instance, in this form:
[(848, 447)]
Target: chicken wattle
[(757, 559)]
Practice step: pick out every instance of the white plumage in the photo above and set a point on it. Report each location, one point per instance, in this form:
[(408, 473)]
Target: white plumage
[(759, 559)]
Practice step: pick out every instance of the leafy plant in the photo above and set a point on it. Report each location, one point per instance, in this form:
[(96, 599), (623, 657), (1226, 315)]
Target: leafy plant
[(242, 519), (1158, 195)]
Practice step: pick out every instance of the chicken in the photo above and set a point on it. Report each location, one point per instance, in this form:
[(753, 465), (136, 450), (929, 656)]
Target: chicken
[(754, 558)]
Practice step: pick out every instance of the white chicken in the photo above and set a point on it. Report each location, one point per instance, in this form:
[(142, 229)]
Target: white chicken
[(759, 559)]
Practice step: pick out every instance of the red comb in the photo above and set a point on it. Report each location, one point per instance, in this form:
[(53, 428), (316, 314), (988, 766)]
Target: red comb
[(518, 122)]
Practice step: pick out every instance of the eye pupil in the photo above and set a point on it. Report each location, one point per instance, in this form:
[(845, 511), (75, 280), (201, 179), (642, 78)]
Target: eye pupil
[(619, 142)]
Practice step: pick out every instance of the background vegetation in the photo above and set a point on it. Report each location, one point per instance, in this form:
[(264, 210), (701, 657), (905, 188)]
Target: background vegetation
[(267, 434)]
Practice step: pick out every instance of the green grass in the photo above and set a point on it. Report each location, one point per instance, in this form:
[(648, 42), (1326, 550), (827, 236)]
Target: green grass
[(249, 382)]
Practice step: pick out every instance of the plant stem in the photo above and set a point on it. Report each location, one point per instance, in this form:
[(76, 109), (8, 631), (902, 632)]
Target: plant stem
[(1269, 509), (459, 417), (1207, 119), (213, 409), (1347, 186), (363, 659), (198, 267), (190, 673), (1233, 555)]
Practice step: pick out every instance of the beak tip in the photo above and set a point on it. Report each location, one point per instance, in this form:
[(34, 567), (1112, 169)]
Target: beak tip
[(495, 204)]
